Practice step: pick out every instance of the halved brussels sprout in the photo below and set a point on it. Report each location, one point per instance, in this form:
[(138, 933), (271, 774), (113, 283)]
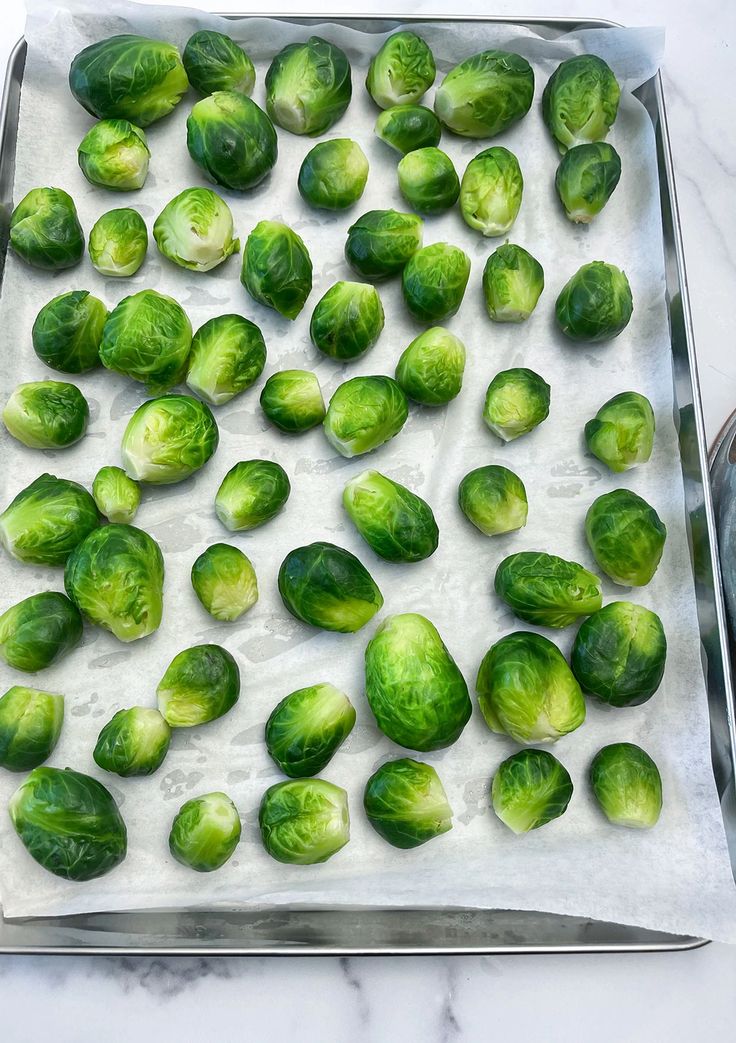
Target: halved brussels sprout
[(304, 821), (292, 400), (30, 725), (434, 280), (402, 71), (491, 191), (530, 789), (228, 355), (494, 499), (214, 62), (513, 281), (133, 742), (326, 586), (200, 684), (67, 331), (38, 631), (406, 803), (621, 434), (251, 493), (168, 438), (627, 785), (619, 654), (347, 321), (428, 180), (117, 496), (195, 230), (580, 101), (118, 243), (363, 413), (430, 371), (46, 414), (546, 590), (406, 127), (517, 401), (586, 178), (306, 729), (308, 86), (485, 94), (114, 154), (225, 582), (231, 140), (205, 832), (396, 523), (147, 337), (277, 268), (595, 304), (333, 174), (45, 521), (45, 231), (626, 536), (381, 242)]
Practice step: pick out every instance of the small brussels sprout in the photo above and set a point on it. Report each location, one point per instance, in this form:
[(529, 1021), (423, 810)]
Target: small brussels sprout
[(307, 728), (115, 577), (147, 337), (214, 62), (406, 127), (430, 371), (580, 101), (225, 582), (347, 321), (402, 71), (434, 280), (38, 631), (67, 332), (546, 590), (292, 400), (517, 401), (114, 154), (428, 180), (621, 434), (304, 821), (118, 243), (326, 586), (530, 789), (381, 242), (485, 94), (363, 413), (228, 355), (619, 654), (205, 832), (308, 86), (406, 803), (396, 523), (195, 230), (45, 231), (46, 414), (491, 191), (277, 268), (333, 174), (45, 522), (168, 438), (526, 689), (595, 304), (231, 140), (513, 281), (627, 785), (626, 536), (586, 178), (251, 493), (494, 499), (30, 725), (200, 684), (133, 742), (117, 496)]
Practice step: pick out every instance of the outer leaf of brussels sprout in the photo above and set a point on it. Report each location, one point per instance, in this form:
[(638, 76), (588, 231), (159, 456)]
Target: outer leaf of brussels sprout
[(308, 86), (168, 438), (347, 321), (627, 785), (45, 231), (586, 178), (491, 191), (485, 94), (406, 127), (114, 154), (116, 495), (118, 243), (619, 654), (30, 725), (363, 413), (434, 280), (402, 71), (546, 590), (333, 174), (626, 536), (231, 140), (200, 684), (47, 520), (214, 62), (621, 434), (225, 582), (580, 101), (251, 493), (494, 499), (306, 729), (396, 523), (406, 803), (513, 281), (517, 401), (595, 304), (38, 631), (147, 337), (304, 821), (326, 586), (205, 832), (530, 789), (381, 242), (195, 230), (292, 400), (277, 268), (133, 742), (228, 355), (428, 180), (46, 414), (67, 331), (430, 371)]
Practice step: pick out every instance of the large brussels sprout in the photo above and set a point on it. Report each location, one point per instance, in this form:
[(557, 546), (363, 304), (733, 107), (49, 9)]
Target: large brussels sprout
[(626, 536), (118, 243), (114, 154), (406, 127), (586, 178), (396, 523), (513, 281), (406, 803), (494, 499), (434, 280), (333, 174), (133, 742), (168, 438), (381, 242), (30, 725), (308, 86), (627, 785), (619, 654), (45, 231), (530, 789), (546, 590), (147, 337), (225, 582), (580, 101), (117, 496), (277, 268), (491, 191), (195, 230), (251, 493), (67, 331), (428, 180), (363, 413), (306, 729), (292, 400), (228, 355), (402, 71), (214, 62), (46, 414), (517, 401), (115, 577), (326, 586), (621, 434), (38, 631), (69, 823), (231, 140), (485, 94), (45, 522), (347, 321), (526, 689), (595, 304), (200, 684), (205, 832), (304, 821), (430, 371)]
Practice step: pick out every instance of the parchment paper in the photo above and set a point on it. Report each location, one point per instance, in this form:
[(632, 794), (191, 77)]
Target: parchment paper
[(676, 877)]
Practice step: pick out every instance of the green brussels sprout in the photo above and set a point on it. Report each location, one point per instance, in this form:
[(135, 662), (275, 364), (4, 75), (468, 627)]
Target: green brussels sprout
[(114, 154), (147, 337), (277, 268), (231, 140), (228, 355), (396, 523), (117, 496), (430, 371), (67, 332), (46, 414), (526, 690), (627, 785), (413, 685), (45, 522), (347, 321), (363, 413), (485, 94), (491, 191), (621, 434), (45, 231), (30, 725), (530, 789), (545, 590), (619, 654), (306, 729), (513, 281), (434, 280), (406, 803), (69, 823), (292, 400), (308, 86), (200, 684), (494, 499), (38, 631), (195, 230), (402, 71), (214, 62), (517, 401), (406, 127), (304, 821), (428, 180), (333, 174), (115, 577), (251, 493), (168, 438), (381, 242), (133, 742), (118, 243), (580, 101), (225, 582), (595, 304), (205, 832), (586, 178), (326, 586), (626, 536)]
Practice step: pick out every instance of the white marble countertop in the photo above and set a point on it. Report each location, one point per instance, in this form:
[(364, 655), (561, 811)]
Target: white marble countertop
[(674, 997)]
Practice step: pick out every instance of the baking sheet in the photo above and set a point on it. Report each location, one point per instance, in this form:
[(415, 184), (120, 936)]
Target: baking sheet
[(676, 878)]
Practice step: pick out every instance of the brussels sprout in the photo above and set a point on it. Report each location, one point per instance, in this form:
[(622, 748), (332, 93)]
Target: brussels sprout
[(406, 803), (347, 321), (363, 413), (251, 493), (304, 821), (595, 304), (231, 140), (114, 154), (307, 728), (38, 631), (205, 832), (133, 742), (580, 101), (526, 690), (214, 62), (118, 243), (195, 230), (621, 434), (402, 71), (45, 231), (46, 520), (147, 337), (530, 789), (115, 577), (228, 355), (308, 86), (200, 684), (493, 498), (491, 191), (626, 536), (517, 401), (225, 582), (586, 178), (168, 438), (513, 281), (546, 590), (430, 371), (485, 94), (292, 400), (434, 280), (333, 174), (627, 785), (30, 725), (428, 180), (381, 242), (69, 823), (67, 332), (406, 127), (117, 496), (46, 414), (277, 268), (396, 523), (619, 654), (326, 586)]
